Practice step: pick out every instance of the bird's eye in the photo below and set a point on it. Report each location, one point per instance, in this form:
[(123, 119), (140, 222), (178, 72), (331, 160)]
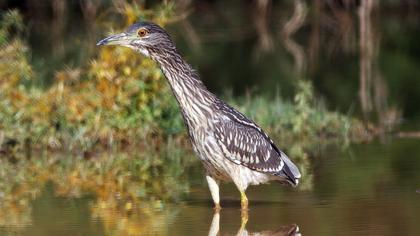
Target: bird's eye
[(142, 32)]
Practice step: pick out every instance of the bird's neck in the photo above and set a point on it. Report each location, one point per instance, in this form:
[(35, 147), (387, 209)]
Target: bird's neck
[(193, 97)]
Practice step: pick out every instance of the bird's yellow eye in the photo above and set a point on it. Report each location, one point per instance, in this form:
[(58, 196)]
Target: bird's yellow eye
[(142, 32)]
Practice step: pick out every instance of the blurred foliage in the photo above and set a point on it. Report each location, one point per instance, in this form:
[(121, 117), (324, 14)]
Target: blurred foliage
[(118, 97), (121, 98)]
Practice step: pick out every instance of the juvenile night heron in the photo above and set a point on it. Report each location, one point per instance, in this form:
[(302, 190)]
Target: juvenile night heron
[(230, 146)]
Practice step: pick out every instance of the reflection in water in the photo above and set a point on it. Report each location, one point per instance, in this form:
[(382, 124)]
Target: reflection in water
[(289, 230), (121, 183), (386, 188), (138, 221)]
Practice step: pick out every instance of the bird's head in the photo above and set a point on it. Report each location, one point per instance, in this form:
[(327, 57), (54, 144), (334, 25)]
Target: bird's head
[(144, 37)]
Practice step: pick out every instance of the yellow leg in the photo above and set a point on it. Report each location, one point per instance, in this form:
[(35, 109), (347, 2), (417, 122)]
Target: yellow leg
[(244, 201), (244, 219)]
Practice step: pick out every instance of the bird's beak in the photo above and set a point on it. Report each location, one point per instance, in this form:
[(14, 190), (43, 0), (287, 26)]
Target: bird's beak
[(118, 39)]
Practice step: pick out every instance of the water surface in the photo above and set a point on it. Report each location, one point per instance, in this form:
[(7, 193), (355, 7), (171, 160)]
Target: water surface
[(369, 189)]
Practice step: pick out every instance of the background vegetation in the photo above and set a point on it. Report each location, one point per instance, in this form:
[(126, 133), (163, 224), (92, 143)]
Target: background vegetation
[(120, 98), (103, 121)]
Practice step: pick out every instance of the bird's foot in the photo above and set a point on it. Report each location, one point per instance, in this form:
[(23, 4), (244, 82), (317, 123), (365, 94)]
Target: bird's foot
[(217, 207)]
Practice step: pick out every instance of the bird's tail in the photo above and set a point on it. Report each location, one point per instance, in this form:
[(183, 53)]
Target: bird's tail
[(289, 172)]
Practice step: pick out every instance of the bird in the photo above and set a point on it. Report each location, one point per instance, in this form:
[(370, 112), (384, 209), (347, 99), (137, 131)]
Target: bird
[(283, 230), (231, 147)]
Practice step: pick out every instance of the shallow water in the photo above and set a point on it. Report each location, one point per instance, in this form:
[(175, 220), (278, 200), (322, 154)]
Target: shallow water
[(369, 189)]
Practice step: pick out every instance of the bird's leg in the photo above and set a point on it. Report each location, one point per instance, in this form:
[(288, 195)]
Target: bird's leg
[(214, 190), (244, 219), (244, 201)]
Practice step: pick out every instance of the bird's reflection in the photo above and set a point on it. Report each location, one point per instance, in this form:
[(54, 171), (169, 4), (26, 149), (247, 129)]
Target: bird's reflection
[(289, 230)]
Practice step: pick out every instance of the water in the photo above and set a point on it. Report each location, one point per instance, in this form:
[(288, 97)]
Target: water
[(369, 189)]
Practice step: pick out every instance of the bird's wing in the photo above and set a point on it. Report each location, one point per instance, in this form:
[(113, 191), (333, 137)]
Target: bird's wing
[(246, 146), (244, 143)]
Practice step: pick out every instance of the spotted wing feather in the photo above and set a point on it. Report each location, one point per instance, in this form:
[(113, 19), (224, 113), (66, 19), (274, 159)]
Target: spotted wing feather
[(244, 143)]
